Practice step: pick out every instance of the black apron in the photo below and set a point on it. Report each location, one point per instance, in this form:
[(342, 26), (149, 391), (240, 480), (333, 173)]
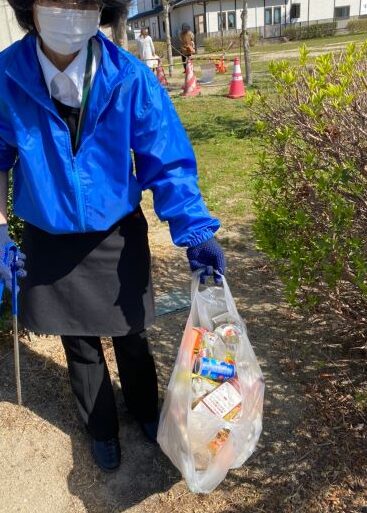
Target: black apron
[(95, 283)]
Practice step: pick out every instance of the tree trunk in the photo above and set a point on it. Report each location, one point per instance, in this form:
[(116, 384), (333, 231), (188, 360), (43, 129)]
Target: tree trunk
[(168, 36), (246, 44), (119, 34), (221, 23)]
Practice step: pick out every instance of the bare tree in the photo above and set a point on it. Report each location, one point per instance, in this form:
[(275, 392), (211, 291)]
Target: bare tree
[(166, 7), (119, 34), (221, 22), (246, 44), (118, 29)]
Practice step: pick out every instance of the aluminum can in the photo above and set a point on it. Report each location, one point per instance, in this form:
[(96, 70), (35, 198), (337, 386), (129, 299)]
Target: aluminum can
[(214, 369)]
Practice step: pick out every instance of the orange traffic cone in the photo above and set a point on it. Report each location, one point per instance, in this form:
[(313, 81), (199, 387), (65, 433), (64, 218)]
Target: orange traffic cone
[(161, 75), (191, 87), (220, 66), (236, 87)]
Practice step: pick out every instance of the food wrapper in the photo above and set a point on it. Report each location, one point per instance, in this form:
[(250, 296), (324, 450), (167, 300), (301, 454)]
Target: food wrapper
[(221, 400), (201, 387)]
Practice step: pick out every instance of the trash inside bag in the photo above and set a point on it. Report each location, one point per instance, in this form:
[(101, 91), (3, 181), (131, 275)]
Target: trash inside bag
[(211, 418)]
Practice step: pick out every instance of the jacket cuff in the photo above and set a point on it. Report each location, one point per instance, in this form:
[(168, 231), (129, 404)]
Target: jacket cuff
[(198, 238)]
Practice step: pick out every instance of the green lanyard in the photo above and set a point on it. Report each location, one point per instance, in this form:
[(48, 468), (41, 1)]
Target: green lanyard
[(86, 89)]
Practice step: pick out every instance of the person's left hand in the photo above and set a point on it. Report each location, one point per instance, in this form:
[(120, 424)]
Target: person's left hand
[(208, 256), (6, 264)]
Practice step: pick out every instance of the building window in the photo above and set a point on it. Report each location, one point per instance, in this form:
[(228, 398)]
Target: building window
[(277, 15), (136, 24), (268, 16), (295, 11), (231, 20), (273, 15), (222, 21), (142, 23), (342, 12)]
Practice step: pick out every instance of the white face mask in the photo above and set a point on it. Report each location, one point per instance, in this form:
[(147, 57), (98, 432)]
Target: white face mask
[(66, 31)]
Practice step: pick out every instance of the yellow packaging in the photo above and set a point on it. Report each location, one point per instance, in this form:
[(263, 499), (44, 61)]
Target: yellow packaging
[(217, 443)]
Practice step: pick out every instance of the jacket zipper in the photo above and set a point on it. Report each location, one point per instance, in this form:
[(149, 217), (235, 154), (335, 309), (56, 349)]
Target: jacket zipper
[(78, 191), (99, 115), (75, 174)]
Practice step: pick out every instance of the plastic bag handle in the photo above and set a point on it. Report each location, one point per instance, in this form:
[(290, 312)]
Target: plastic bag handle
[(195, 283), (228, 296)]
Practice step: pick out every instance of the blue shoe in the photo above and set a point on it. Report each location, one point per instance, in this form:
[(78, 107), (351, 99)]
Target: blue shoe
[(107, 454)]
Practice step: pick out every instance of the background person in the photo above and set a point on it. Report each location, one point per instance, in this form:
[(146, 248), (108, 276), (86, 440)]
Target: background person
[(146, 49), (73, 107), (187, 44)]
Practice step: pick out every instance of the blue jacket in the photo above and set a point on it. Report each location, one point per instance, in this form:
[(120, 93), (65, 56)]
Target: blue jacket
[(128, 113)]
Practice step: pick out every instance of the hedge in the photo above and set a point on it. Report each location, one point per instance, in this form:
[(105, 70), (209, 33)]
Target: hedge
[(297, 32), (355, 26), (311, 188), (214, 43)]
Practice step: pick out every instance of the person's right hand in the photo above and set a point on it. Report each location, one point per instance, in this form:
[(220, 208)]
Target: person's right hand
[(5, 263)]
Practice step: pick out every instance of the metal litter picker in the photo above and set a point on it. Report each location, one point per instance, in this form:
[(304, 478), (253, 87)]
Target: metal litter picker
[(10, 258)]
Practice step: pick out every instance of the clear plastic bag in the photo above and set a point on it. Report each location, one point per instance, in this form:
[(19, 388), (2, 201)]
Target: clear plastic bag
[(201, 444)]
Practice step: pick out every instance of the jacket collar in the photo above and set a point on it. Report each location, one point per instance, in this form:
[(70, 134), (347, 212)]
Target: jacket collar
[(114, 68)]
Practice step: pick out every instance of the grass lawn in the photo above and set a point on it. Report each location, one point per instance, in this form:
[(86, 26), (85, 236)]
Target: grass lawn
[(268, 47), (312, 43), (279, 50), (226, 148)]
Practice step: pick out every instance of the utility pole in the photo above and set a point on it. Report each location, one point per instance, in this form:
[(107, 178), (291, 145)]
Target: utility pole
[(166, 6), (246, 44)]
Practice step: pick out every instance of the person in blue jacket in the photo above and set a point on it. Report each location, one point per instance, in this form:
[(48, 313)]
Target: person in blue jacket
[(85, 128)]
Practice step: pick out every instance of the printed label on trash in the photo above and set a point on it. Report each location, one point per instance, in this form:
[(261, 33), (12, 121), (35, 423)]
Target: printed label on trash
[(223, 399)]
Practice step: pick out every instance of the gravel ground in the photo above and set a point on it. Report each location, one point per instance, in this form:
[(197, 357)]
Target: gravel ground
[(311, 456)]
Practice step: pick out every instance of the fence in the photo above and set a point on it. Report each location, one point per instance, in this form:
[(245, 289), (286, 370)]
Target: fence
[(280, 29)]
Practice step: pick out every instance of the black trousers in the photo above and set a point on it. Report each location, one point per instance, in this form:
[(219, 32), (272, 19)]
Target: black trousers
[(91, 383), (184, 59)]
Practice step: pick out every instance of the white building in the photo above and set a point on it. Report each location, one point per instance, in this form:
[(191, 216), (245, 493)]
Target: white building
[(268, 17)]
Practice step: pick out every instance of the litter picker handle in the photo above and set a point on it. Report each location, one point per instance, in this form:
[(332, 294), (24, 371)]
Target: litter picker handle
[(13, 250)]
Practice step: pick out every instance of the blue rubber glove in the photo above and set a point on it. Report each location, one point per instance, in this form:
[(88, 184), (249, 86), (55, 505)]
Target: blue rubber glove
[(208, 256), (5, 267)]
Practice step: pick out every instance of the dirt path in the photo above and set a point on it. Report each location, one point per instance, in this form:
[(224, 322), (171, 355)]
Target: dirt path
[(301, 465)]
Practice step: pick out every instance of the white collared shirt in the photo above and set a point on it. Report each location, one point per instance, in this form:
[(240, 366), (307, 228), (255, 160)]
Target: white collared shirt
[(67, 86)]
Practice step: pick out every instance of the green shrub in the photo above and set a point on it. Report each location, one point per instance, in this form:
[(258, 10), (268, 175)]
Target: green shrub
[(311, 189), (297, 32), (161, 48), (14, 223), (355, 26), (253, 38), (214, 43)]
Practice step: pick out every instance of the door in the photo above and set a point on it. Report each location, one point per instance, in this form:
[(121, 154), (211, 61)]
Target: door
[(199, 21)]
